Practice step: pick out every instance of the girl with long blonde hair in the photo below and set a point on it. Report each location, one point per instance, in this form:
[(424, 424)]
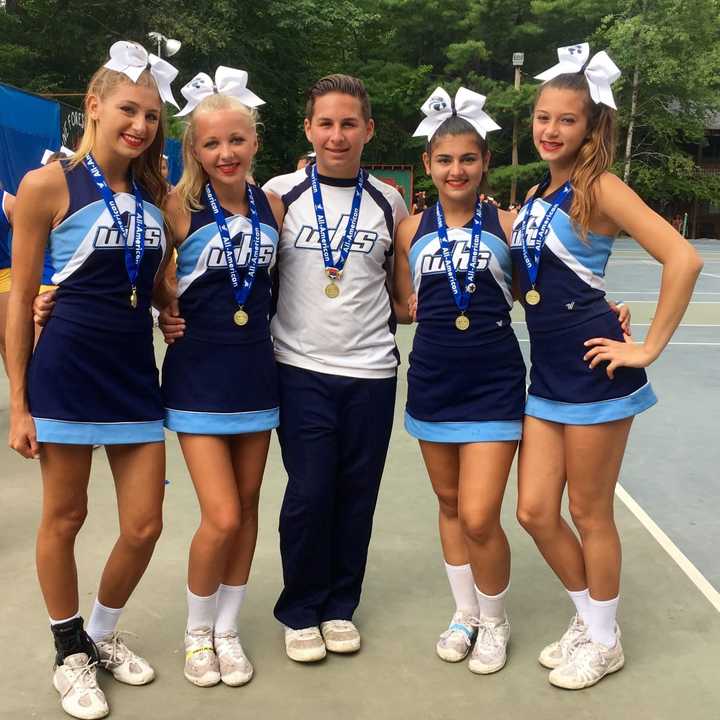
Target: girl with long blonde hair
[(92, 379), (219, 377), (587, 377)]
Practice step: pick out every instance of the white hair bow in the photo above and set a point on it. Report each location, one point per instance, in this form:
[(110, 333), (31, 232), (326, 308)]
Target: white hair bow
[(468, 105), (67, 152), (601, 72), (132, 59), (228, 81)]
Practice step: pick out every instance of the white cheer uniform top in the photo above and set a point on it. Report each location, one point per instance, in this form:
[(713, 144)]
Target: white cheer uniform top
[(352, 334)]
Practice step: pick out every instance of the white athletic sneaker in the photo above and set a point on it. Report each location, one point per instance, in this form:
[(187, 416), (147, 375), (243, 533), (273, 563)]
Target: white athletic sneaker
[(235, 668), (557, 653), (201, 663), (589, 663), (305, 644), (76, 681), (489, 653), (340, 636), (127, 667), (455, 643)]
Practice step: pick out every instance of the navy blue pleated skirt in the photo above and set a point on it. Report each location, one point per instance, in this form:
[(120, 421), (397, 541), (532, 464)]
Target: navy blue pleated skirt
[(564, 390), (91, 386), (465, 394), (220, 389)]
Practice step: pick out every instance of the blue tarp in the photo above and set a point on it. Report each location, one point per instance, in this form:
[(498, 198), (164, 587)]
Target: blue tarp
[(29, 125)]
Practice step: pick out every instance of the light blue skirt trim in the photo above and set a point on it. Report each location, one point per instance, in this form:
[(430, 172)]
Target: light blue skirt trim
[(591, 413), (110, 433), (218, 423), (463, 432)]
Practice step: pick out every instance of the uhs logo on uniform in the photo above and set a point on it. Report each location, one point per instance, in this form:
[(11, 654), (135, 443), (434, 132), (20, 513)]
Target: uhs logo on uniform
[(242, 250), (432, 264), (309, 239), (108, 237)]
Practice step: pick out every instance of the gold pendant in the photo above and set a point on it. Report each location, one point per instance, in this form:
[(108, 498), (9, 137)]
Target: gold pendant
[(462, 322), (532, 297), (241, 317), (133, 298), (332, 290)]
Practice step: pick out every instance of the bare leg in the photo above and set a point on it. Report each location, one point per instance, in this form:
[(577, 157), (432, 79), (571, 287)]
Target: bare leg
[(249, 454), (594, 455), (139, 473), (484, 469), (209, 460), (65, 474), (541, 483), (443, 465)]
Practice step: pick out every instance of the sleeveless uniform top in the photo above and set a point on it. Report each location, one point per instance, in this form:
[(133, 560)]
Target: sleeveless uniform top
[(353, 334), (490, 304), (207, 299), (5, 231), (571, 279), (88, 254)]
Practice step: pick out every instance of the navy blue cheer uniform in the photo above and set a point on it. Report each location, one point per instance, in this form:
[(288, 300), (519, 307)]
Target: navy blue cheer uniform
[(221, 378), (6, 250), (572, 309), (5, 232), (464, 386), (92, 378)]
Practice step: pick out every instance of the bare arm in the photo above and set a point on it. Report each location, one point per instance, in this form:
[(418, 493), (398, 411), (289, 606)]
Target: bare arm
[(402, 288), (34, 213), (681, 267)]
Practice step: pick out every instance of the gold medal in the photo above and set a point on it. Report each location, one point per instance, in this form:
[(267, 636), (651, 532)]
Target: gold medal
[(133, 298), (462, 322), (332, 290), (240, 317), (532, 297)]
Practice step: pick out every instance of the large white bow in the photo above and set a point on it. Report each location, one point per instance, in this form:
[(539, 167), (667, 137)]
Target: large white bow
[(601, 72), (131, 59), (228, 81), (468, 105)]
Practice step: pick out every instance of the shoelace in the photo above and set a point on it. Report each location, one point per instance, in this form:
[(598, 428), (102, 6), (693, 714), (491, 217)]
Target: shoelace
[(341, 625), (305, 634), (230, 645), (486, 631), (466, 621), (203, 645), (119, 651), (587, 655), (83, 677), (572, 635)]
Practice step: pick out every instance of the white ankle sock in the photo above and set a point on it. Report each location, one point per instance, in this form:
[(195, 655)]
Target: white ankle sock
[(601, 620), (229, 601), (201, 610), (462, 586), (67, 619), (492, 606), (103, 621), (581, 600)]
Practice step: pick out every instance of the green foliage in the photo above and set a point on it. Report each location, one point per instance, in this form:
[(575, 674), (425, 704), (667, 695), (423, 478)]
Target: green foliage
[(403, 49)]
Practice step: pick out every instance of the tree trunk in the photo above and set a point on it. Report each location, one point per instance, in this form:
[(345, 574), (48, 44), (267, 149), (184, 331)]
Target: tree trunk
[(631, 124)]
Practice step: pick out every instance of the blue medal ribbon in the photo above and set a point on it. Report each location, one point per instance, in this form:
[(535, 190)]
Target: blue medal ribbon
[(240, 289), (461, 295), (134, 254), (334, 268), (532, 262)]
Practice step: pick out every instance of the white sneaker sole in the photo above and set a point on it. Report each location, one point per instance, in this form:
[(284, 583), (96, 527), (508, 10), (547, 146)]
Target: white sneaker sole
[(80, 712), (566, 685), (342, 646), (236, 679), (547, 661), (207, 680), (304, 656), (132, 679), (450, 655), (481, 669)]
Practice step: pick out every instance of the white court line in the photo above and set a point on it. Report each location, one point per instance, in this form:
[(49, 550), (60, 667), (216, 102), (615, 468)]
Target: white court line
[(682, 325), (655, 292), (696, 577), (704, 274)]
